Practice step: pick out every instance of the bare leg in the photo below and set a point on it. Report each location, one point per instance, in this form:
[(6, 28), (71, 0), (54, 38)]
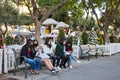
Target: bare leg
[(47, 63)]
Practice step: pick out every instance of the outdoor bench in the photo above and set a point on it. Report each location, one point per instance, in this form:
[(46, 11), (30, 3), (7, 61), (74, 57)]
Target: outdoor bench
[(84, 51), (94, 50), (24, 65), (17, 64), (88, 50)]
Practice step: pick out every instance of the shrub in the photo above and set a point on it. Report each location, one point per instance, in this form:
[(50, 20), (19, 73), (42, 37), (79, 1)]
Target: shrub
[(113, 39), (19, 39), (8, 40), (84, 38)]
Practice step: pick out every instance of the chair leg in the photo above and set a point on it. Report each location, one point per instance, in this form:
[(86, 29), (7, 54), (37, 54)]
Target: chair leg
[(102, 53), (25, 71), (14, 73), (88, 56), (96, 55)]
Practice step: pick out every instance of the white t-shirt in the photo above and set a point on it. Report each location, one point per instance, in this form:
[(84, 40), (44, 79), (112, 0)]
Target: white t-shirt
[(47, 50), (41, 55)]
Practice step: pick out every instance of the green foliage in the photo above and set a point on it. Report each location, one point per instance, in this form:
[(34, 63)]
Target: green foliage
[(60, 35), (24, 19), (72, 6), (100, 38), (62, 15), (89, 24), (113, 39), (119, 40), (8, 40), (8, 12), (48, 4), (19, 39), (85, 37)]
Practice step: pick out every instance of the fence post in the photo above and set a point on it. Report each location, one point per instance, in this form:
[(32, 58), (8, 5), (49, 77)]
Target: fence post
[(77, 51), (5, 60), (1, 55)]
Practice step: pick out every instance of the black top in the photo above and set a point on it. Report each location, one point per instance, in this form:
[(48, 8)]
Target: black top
[(24, 52)]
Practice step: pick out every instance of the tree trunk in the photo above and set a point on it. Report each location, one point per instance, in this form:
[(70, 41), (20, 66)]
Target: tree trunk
[(35, 19), (106, 36), (37, 31)]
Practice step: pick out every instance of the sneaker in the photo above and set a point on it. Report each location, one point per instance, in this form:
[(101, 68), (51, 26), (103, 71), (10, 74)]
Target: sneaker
[(78, 61), (70, 66), (53, 70), (58, 68)]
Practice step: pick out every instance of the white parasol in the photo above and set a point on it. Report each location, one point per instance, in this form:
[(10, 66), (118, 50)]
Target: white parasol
[(49, 21), (22, 31), (61, 24)]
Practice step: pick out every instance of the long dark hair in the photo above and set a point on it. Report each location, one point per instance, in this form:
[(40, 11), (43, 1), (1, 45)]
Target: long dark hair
[(47, 43), (61, 41), (69, 46), (35, 44), (28, 43)]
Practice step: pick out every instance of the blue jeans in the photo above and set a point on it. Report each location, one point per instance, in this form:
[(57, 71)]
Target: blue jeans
[(71, 58), (34, 64)]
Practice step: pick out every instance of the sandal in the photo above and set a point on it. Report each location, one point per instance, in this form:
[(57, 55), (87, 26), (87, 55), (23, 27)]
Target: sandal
[(35, 72), (31, 72)]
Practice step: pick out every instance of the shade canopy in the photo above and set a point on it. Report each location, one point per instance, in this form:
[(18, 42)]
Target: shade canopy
[(21, 32), (49, 21), (62, 24)]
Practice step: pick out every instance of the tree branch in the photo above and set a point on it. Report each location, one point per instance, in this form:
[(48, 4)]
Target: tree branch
[(93, 9), (53, 9), (35, 9)]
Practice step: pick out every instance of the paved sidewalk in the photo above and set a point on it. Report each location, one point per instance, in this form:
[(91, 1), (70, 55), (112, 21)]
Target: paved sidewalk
[(44, 72), (103, 68)]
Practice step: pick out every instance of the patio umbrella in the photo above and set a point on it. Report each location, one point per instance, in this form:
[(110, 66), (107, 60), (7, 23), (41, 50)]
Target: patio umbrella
[(49, 21), (62, 24)]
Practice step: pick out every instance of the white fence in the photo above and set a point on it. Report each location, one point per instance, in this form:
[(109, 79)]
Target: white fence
[(108, 49), (9, 57), (1, 57)]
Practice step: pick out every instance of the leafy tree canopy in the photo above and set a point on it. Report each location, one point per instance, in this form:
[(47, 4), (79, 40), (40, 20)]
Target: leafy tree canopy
[(8, 12)]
